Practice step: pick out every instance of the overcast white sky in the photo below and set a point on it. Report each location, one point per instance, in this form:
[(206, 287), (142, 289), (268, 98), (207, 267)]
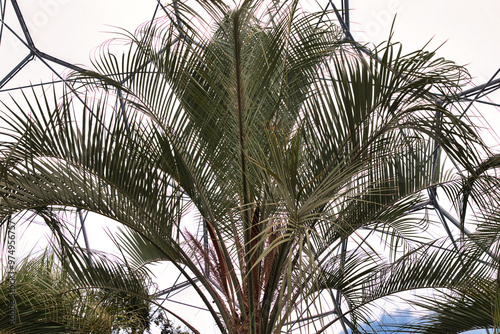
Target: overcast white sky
[(71, 29)]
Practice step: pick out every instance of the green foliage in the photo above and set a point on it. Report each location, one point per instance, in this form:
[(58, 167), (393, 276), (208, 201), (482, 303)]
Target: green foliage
[(44, 298), (167, 326), (303, 157)]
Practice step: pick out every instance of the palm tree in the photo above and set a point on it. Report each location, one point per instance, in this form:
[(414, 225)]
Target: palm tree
[(45, 297), (292, 146)]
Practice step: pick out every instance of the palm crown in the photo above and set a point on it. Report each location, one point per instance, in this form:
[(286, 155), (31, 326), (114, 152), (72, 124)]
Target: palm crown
[(290, 144)]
